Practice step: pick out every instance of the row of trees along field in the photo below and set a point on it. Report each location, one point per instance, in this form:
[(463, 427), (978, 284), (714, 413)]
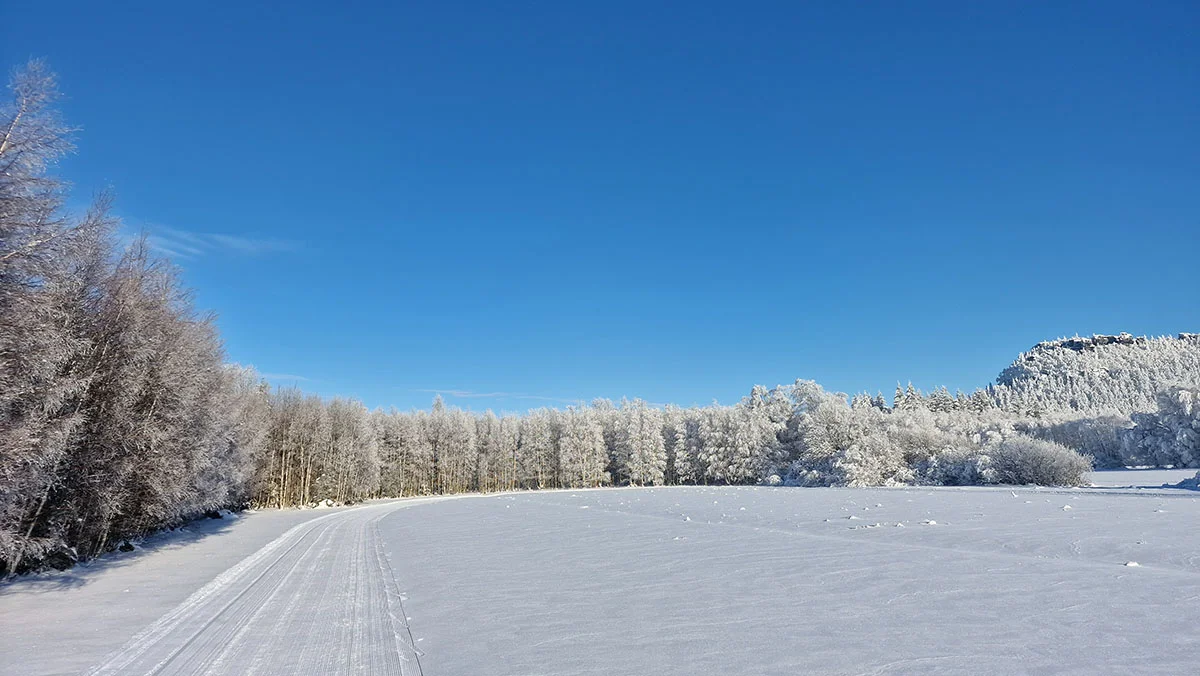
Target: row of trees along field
[(119, 414)]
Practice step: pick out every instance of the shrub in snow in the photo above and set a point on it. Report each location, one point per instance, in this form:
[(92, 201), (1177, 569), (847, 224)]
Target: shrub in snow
[(956, 467), (1098, 436), (871, 461), (1022, 459)]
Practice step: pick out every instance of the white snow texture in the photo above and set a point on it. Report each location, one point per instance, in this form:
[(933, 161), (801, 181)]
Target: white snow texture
[(686, 580)]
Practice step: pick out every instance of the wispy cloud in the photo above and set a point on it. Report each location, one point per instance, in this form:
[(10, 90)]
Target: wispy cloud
[(470, 394), (186, 244), (285, 376)]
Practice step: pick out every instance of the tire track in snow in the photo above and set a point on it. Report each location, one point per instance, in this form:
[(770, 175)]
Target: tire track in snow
[(319, 599)]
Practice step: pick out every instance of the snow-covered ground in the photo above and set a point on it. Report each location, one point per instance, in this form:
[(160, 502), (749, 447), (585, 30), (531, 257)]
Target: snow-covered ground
[(64, 622), (753, 580), (1140, 478), (663, 581), (71, 621)]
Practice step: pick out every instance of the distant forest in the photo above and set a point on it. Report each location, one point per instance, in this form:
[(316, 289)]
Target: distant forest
[(119, 414)]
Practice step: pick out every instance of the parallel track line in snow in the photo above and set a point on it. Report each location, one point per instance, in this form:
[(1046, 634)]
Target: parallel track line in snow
[(252, 586), (279, 622), (320, 599), (236, 642), (150, 636), (394, 604)]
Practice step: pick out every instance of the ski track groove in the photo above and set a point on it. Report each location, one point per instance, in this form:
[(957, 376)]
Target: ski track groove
[(221, 662), (248, 611), (194, 604), (280, 621), (394, 605), (319, 599)]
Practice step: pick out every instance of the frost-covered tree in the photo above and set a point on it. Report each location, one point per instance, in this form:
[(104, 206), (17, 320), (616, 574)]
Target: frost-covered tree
[(640, 444), (51, 266), (690, 468), (352, 468), (536, 451), (715, 436), (611, 425), (879, 402), (458, 454), (582, 450), (150, 408), (941, 401), (861, 401), (1168, 436), (420, 470), (1098, 375), (450, 433), (389, 437), (489, 461), (508, 466), (843, 446), (913, 399), (497, 439), (961, 402), (980, 401), (671, 417)]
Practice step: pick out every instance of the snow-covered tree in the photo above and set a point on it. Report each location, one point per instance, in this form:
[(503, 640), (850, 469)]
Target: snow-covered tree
[(861, 401), (690, 467), (941, 401), (641, 445), (538, 456), (1098, 375), (352, 472), (843, 446), (1168, 436), (582, 450), (879, 402)]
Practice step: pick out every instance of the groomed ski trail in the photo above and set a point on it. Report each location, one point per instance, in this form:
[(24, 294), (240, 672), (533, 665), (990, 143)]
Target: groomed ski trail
[(319, 599)]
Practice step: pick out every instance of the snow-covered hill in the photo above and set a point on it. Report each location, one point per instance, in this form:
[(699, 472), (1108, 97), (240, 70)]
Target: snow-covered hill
[(1119, 374)]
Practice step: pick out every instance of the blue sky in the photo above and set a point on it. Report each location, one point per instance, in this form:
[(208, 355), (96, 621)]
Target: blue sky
[(530, 203)]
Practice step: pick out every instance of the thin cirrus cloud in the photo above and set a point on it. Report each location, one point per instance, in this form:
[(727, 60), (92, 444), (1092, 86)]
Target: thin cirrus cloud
[(469, 394), (284, 377), (186, 244)]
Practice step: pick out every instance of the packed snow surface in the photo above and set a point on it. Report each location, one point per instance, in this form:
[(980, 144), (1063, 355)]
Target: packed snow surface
[(682, 580)]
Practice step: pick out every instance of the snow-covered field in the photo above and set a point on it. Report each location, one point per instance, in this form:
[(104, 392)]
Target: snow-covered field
[(649, 581), (1139, 478)]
